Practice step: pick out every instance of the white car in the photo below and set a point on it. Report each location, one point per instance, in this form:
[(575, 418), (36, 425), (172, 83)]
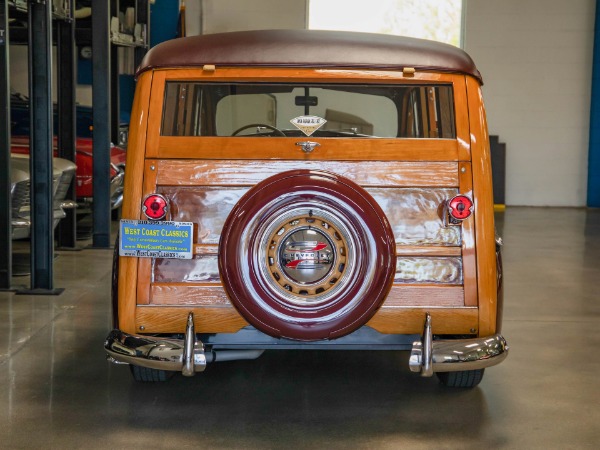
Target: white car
[(63, 172)]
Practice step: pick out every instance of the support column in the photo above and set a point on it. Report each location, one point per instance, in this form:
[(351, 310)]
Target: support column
[(102, 124), (40, 98), (65, 46)]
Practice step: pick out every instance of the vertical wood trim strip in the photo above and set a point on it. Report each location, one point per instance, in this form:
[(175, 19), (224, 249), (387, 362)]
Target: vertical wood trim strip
[(155, 114), (145, 264), (469, 233), (484, 205), (133, 186), (463, 131)]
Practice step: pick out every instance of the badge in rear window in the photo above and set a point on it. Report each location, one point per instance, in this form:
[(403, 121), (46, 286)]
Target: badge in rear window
[(308, 124)]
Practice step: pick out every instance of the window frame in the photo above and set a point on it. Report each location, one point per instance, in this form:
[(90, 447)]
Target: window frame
[(158, 146), (419, 111)]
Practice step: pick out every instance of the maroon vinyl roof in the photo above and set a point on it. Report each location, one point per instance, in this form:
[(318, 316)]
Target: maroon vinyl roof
[(309, 48)]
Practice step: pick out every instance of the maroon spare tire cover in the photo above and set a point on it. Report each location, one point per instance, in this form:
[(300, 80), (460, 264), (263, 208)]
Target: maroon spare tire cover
[(307, 255)]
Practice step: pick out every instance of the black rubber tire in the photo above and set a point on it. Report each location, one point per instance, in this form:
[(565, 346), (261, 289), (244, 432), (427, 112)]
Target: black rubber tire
[(462, 379), (147, 375)]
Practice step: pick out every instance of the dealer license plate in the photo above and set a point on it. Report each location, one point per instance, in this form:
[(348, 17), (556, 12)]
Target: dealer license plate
[(146, 239)]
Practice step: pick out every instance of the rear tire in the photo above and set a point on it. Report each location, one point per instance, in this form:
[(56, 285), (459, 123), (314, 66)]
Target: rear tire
[(147, 375), (461, 379)]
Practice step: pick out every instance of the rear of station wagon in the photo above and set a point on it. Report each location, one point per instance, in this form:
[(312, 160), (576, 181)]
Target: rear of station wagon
[(307, 190)]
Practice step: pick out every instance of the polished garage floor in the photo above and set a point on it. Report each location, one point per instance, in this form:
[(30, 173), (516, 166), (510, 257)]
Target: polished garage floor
[(57, 390)]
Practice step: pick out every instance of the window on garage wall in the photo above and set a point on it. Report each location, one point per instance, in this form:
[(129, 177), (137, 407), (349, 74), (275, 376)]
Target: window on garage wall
[(438, 20)]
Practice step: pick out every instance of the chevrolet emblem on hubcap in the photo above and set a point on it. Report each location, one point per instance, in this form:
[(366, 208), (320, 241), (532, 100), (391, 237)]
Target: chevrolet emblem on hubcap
[(306, 256), (306, 261)]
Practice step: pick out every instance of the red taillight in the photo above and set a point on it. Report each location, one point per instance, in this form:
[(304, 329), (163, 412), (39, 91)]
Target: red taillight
[(460, 207), (155, 207)]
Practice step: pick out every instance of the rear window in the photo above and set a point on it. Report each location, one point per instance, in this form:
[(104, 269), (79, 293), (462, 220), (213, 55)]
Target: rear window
[(285, 110)]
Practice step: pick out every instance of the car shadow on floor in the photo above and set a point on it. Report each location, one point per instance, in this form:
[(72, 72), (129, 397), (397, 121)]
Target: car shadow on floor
[(314, 395)]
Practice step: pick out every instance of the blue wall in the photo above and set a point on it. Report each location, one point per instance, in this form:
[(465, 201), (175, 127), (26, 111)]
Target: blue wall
[(164, 20)]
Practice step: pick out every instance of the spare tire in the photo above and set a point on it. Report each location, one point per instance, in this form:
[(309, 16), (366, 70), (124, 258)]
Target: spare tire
[(307, 255)]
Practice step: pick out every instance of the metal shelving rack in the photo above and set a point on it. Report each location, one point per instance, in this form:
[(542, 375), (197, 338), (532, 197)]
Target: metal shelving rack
[(41, 14), (106, 40)]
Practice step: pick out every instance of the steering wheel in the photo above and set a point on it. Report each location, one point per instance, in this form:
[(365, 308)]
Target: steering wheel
[(259, 125)]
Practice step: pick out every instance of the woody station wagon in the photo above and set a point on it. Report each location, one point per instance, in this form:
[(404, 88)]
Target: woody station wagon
[(307, 190)]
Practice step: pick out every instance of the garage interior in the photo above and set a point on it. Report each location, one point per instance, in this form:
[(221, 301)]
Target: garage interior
[(537, 59)]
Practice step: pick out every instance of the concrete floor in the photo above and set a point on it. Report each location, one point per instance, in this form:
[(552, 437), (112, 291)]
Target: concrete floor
[(57, 390)]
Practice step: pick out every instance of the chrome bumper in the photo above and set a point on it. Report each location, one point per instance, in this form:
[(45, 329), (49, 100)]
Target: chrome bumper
[(429, 356), (186, 356)]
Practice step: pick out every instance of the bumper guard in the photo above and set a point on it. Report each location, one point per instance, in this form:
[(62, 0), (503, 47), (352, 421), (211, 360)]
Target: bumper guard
[(185, 356), (429, 356)]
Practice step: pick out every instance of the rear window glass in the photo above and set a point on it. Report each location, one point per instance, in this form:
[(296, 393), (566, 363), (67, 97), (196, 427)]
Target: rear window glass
[(285, 110)]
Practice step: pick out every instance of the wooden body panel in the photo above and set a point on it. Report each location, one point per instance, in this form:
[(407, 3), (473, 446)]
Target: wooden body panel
[(414, 213), (204, 268), (330, 149), (172, 319), (411, 320), (381, 165), (402, 320), (401, 250), (173, 172), (205, 294)]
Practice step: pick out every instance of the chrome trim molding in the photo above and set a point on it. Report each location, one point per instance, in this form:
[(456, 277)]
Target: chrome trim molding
[(452, 355), (116, 202), (20, 228), (23, 223), (116, 190), (68, 204)]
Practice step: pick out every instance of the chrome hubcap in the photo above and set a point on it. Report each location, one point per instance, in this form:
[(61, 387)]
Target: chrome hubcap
[(306, 256)]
